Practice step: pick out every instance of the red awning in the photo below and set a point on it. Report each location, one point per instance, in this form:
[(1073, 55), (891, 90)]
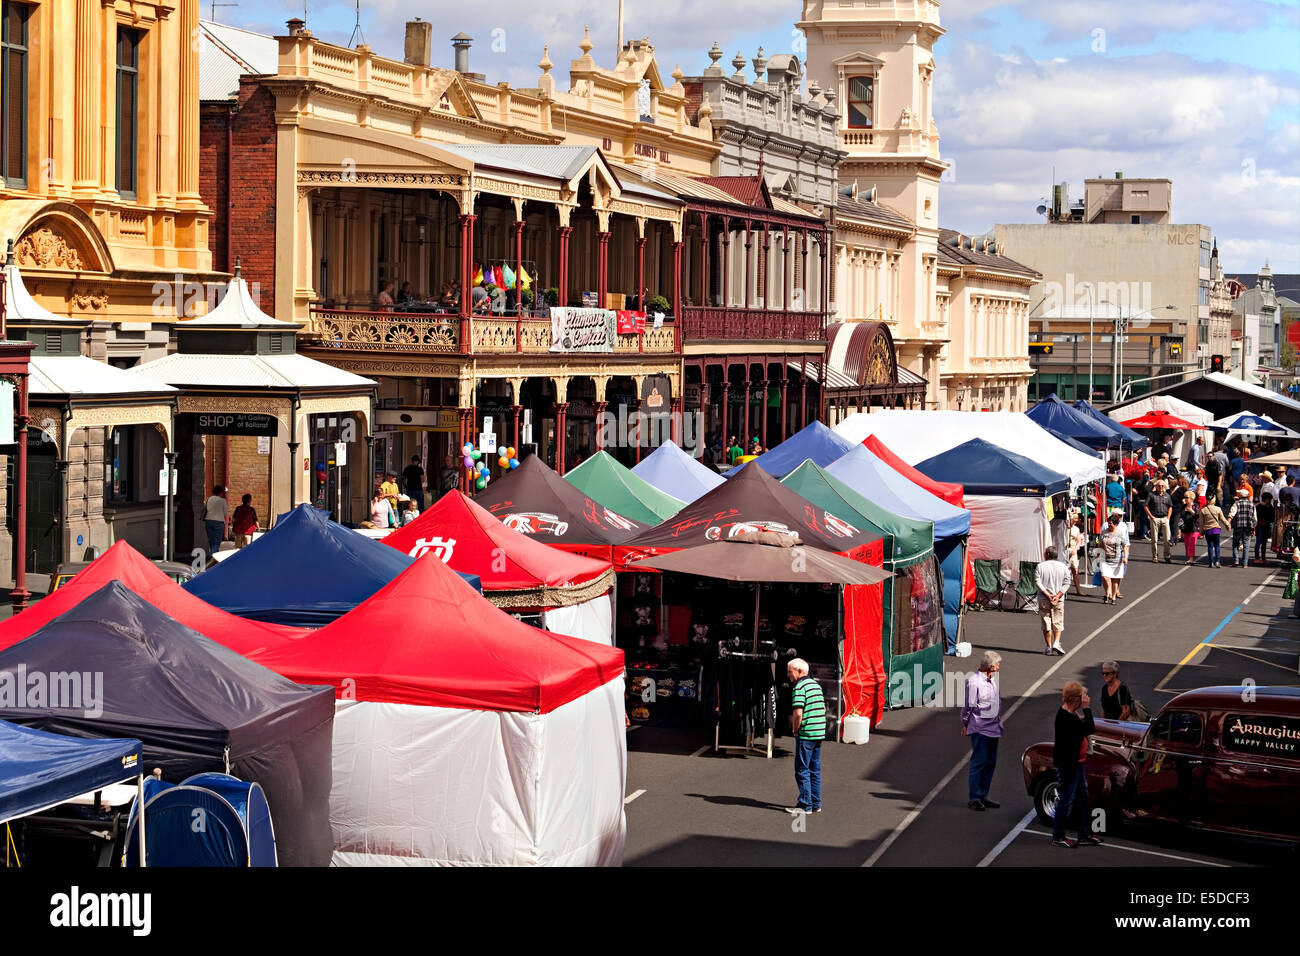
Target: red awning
[(428, 638), (123, 563), (515, 570), (1160, 419), (952, 493)]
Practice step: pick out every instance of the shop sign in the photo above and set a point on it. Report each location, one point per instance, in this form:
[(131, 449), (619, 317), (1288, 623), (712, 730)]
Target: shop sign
[(1261, 734), (691, 394), (430, 419), (583, 330), (234, 423)]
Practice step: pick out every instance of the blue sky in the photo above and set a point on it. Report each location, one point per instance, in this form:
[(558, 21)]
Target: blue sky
[(1203, 92)]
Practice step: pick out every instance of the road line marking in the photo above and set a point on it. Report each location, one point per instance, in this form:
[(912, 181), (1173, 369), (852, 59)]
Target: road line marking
[(702, 749), (1288, 669), (1197, 649), (632, 796), (947, 778), (1008, 839), (1261, 650), (1134, 849)]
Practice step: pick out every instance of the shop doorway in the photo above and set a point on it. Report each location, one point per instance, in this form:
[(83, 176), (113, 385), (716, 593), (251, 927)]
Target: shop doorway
[(44, 542)]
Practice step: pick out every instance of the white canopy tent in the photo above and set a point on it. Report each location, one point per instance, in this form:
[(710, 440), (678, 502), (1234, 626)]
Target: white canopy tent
[(1174, 406), (917, 435)]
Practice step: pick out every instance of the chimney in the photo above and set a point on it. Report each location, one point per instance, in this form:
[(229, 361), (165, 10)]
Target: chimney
[(419, 34), (295, 26), (460, 43)]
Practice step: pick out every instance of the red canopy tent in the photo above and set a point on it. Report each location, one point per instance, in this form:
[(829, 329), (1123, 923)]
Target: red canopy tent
[(753, 501), (516, 571), (952, 493), (1158, 418), (123, 563), (463, 735)]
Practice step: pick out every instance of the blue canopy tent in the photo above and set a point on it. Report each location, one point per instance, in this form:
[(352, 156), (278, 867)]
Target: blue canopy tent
[(983, 468), (39, 770), (814, 442), (674, 472), (1062, 419), (1124, 437), (304, 572), (877, 481), (1072, 442), (236, 831)]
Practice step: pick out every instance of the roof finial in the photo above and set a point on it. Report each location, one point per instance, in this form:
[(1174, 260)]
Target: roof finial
[(545, 65), (586, 44), (239, 266), (9, 252)]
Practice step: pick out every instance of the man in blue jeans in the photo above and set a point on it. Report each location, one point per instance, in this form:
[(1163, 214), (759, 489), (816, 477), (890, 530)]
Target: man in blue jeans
[(981, 721), (808, 721), (1069, 755), (214, 519)]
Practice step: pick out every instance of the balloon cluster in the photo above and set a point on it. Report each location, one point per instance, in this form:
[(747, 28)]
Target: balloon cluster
[(508, 459), (477, 467)]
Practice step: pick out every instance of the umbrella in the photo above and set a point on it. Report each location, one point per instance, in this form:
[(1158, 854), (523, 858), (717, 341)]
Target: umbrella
[(1289, 458), (766, 556), (1248, 423), (1160, 419)]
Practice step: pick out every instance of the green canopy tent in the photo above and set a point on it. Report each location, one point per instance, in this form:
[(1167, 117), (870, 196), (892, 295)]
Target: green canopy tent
[(601, 478), (912, 630)]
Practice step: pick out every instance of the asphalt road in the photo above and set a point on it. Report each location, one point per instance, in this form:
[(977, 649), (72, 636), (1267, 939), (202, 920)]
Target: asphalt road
[(900, 800)]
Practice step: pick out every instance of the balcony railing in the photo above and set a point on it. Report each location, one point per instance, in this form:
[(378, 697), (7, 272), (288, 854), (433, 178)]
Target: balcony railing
[(752, 324), (426, 332)]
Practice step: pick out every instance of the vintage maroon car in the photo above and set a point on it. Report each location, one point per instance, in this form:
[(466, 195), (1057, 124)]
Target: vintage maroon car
[(1217, 758)]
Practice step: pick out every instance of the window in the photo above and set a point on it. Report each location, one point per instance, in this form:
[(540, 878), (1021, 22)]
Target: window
[(1178, 728), (118, 464), (128, 97), (1135, 219), (1203, 295), (1205, 255), (13, 80), (861, 89)]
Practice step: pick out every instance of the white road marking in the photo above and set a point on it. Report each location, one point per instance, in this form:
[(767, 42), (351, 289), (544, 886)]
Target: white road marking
[(947, 778), (1134, 849), (702, 749), (632, 796), (1007, 840)]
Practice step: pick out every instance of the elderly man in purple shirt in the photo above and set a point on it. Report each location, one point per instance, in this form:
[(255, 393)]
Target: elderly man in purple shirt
[(981, 721)]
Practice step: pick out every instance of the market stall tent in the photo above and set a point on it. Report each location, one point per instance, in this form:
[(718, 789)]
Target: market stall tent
[(533, 500), (918, 435), (194, 705), (876, 480), (676, 473), (137, 573), (912, 605), (753, 502), (573, 594), (39, 770), (1058, 417), (947, 491), (1174, 406), (814, 442), (304, 572), (610, 483), (1008, 496), (1123, 437), (464, 736)]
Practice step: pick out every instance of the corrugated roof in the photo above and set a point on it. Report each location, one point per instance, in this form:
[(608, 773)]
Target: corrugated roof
[(226, 53), (746, 189), (83, 376), (834, 377), (790, 208), (873, 211), (555, 162), (237, 310), (248, 371), (687, 188), (951, 248)]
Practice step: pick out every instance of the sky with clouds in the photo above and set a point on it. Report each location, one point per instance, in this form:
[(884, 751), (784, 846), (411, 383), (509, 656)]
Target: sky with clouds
[(1203, 92)]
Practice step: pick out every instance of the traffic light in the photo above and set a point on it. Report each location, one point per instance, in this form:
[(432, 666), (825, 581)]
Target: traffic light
[(1040, 348), (1216, 363)]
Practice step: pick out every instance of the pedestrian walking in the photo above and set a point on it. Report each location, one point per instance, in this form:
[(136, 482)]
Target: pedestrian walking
[(1074, 725), (1202, 487), (1116, 700), (1052, 579), (391, 491), (1290, 492), (1242, 517), (1078, 550), (1217, 471), (381, 512), (244, 522), (1114, 492), (808, 721), (1191, 531), (1196, 457), (1137, 502), (214, 519), (1265, 515), (1267, 485), (1178, 494), (981, 721), (413, 477), (1114, 557), (1158, 507), (1213, 524)]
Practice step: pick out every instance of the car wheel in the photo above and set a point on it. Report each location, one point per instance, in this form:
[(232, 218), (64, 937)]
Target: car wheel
[(1046, 796)]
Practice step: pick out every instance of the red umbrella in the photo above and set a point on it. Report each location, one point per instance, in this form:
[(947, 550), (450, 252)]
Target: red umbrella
[(1160, 419)]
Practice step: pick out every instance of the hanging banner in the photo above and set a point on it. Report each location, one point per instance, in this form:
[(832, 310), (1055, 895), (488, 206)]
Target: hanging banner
[(233, 423), (630, 321), (582, 330)]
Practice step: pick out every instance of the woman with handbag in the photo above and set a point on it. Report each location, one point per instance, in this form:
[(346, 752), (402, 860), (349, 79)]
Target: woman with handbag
[(1114, 557), (1213, 523), (1191, 530)]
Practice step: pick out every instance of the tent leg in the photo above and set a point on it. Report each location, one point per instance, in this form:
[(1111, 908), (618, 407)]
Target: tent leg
[(140, 797)]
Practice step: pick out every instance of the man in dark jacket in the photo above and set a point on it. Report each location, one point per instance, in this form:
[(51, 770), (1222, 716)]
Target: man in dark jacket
[(1073, 726)]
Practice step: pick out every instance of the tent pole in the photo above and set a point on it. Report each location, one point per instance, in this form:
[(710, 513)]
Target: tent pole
[(139, 789)]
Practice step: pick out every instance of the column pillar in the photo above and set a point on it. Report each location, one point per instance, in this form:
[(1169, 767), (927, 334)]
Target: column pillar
[(803, 395), (466, 431), (762, 414), (518, 226), (565, 233), (726, 405), (748, 416), (640, 273), (785, 412), (466, 277), (676, 407), (600, 408), (766, 273), (704, 260), (748, 247), (87, 72), (803, 258), (188, 134), (515, 411), (726, 262), (704, 404), (602, 268), (640, 436), (679, 320)]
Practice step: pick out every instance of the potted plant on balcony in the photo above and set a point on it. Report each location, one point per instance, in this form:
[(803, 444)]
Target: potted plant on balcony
[(551, 297), (657, 303)]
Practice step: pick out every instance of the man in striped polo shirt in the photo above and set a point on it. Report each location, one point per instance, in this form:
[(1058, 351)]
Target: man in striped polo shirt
[(809, 724)]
